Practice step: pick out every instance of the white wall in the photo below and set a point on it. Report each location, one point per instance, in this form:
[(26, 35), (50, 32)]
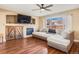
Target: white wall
[(2, 25)]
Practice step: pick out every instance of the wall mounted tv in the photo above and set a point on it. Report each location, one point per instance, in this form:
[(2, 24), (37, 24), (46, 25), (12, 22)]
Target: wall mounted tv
[(23, 19)]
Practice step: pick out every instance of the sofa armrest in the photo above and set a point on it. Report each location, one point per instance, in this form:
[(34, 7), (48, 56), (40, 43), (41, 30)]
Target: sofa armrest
[(71, 36)]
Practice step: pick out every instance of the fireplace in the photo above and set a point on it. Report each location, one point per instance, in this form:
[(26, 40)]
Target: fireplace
[(29, 31)]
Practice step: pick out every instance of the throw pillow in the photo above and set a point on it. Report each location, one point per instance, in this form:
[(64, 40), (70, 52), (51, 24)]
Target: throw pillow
[(58, 31), (51, 31), (65, 34)]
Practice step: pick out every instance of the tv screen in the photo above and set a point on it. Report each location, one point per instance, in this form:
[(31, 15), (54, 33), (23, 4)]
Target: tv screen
[(23, 19)]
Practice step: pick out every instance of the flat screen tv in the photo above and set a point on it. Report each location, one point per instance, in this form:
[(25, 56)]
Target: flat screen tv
[(23, 19)]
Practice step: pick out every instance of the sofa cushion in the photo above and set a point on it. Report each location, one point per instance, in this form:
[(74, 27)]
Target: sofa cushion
[(58, 31), (51, 31), (43, 34), (58, 39), (65, 34)]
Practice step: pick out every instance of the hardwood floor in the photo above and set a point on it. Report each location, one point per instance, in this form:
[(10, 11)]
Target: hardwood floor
[(32, 46)]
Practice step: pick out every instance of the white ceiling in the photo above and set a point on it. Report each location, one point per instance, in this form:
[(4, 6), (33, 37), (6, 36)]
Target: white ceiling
[(27, 8)]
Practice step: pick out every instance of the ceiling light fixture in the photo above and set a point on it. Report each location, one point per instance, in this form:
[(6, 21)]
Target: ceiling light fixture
[(42, 9)]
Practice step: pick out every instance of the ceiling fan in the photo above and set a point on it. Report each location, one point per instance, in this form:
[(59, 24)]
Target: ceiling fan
[(42, 7)]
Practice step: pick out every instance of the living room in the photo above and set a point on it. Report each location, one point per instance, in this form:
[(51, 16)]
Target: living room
[(43, 33)]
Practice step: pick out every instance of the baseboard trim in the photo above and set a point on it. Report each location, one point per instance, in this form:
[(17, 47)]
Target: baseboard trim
[(28, 36), (76, 40)]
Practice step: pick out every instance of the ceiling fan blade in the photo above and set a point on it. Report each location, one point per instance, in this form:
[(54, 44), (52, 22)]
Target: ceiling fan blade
[(48, 10), (48, 6), (42, 5), (38, 5), (35, 9)]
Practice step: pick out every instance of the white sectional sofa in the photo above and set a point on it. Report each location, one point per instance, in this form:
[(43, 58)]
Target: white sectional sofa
[(55, 40)]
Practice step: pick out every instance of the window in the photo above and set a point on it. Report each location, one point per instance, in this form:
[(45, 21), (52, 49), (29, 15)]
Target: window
[(55, 22)]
